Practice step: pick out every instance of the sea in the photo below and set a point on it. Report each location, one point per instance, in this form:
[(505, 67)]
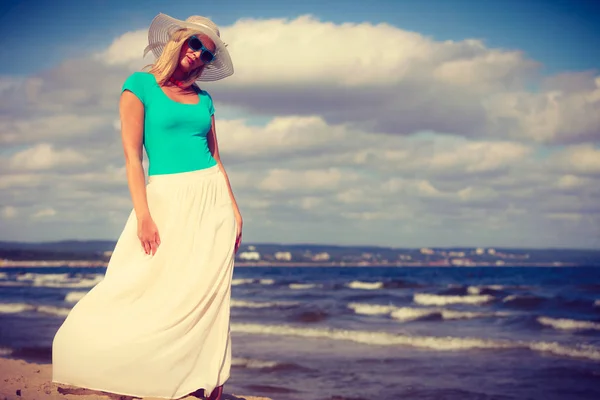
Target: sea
[(354, 333)]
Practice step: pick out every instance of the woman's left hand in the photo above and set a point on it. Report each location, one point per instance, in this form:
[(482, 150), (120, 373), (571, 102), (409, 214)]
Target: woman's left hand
[(238, 236)]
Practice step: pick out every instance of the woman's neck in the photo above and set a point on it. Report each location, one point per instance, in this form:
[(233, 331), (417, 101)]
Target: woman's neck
[(178, 77)]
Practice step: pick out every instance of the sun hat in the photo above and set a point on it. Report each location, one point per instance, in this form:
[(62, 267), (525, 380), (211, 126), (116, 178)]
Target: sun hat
[(163, 26)]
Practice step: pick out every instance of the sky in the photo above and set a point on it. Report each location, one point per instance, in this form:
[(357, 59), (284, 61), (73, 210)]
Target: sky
[(393, 123)]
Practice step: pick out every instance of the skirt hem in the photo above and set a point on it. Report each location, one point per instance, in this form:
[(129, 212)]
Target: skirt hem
[(185, 393)]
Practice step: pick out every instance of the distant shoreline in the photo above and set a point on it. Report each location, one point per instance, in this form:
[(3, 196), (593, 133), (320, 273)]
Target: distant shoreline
[(104, 264)]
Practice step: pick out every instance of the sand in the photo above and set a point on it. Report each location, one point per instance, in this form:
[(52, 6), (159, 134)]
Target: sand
[(25, 381)]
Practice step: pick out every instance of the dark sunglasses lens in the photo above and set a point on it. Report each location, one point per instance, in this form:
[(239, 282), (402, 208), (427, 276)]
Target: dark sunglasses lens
[(206, 57), (195, 44)]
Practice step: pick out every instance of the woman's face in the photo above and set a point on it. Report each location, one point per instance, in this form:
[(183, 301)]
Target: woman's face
[(189, 59)]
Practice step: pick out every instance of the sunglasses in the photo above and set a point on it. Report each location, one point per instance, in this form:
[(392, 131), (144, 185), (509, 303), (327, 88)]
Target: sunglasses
[(196, 44)]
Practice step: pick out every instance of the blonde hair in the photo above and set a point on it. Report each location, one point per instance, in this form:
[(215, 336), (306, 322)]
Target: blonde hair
[(166, 64)]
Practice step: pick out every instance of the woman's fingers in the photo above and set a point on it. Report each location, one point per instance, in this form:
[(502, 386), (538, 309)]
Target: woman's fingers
[(146, 246)]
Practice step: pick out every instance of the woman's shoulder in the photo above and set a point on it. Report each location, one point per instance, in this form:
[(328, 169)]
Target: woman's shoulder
[(202, 92), (139, 77)]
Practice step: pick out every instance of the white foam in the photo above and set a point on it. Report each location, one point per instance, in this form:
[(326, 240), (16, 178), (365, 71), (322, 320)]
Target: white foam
[(445, 343), (54, 280), (597, 303), (478, 289), (241, 281), (371, 338), (5, 351), (14, 284), (303, 285), (371, 309), (3, 275), (266, 281), (405, 314), (74, 297), (253, 364), (59, 311), (568, 324), (441, 300), (365, 285), (257, 304), (75, 283), (13, 308), (583, 351)]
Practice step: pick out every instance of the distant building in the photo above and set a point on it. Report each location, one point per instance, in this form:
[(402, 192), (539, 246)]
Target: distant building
[(321, 257), (283, 256), (249, 256)]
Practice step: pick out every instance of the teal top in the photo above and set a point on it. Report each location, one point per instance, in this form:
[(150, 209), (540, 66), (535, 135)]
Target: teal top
[(175, 134)]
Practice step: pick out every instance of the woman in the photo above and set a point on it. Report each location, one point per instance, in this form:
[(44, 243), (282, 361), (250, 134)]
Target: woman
[(158, 323)]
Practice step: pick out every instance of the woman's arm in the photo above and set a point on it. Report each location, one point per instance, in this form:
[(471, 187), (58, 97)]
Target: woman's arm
[(213, 146), (131, 111)]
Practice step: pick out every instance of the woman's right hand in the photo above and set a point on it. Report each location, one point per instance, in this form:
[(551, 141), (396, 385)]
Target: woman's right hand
[(148, 235)]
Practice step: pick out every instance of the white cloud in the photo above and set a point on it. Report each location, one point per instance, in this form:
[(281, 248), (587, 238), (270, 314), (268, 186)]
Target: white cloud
[(44, 128), (43, 157), (9, 212), (45, 212), (372, 134), (279, 180), (584, 159)]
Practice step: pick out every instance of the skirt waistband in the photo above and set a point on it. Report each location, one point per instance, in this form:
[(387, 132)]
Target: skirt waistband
[(184, 177)]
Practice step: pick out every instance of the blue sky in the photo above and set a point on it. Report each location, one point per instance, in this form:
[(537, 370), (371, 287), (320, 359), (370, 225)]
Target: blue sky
[(407, 134)]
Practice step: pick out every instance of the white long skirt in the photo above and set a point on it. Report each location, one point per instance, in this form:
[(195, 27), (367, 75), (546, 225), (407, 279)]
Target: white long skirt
[(158, 326)]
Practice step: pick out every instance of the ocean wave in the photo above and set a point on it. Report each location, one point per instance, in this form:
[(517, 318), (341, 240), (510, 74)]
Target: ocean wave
[(441, 300), (249, 281), (365, 285), (297, 286), (523, 301), (371, 309), (406, 314), (484, 289), (253, 364), (63, 280), (52, 310), (5, 351), (568, 324), (260, 304), (445, 343), (16, 308), (266, 365), (74, 297), (241, 281)]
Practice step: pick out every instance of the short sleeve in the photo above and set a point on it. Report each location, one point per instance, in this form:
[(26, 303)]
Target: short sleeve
[(135, 84), (211, 107)]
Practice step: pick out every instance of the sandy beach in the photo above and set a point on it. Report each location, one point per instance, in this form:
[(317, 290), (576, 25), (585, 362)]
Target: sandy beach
[(26, 381)]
